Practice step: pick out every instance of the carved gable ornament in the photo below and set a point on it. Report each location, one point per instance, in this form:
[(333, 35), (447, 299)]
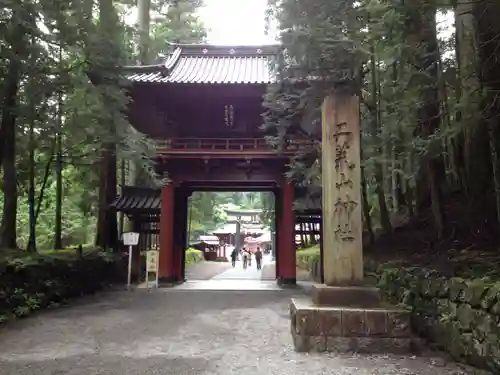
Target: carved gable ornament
[(229, 115)]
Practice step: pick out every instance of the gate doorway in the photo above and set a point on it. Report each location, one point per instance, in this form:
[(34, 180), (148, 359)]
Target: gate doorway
[(237, 230)]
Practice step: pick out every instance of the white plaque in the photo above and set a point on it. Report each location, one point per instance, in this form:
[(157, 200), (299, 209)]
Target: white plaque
[(130, 238)]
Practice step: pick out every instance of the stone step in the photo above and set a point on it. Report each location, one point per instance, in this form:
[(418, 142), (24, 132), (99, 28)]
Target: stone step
[(384, 329)]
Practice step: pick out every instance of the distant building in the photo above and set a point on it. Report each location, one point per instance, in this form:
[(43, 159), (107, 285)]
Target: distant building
[(240, 223)]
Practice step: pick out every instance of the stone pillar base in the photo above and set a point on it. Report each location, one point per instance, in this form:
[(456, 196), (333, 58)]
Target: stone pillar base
[(349, 319), (346, 296)]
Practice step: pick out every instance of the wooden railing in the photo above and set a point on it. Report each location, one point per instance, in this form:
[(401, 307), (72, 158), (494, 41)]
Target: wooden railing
[(180, 145)]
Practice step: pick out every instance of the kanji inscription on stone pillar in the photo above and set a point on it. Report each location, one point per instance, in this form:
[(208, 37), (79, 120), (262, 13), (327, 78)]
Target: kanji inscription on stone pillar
[(341, 182)]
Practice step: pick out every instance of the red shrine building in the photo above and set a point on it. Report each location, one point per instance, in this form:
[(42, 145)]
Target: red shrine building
[(203, 107)]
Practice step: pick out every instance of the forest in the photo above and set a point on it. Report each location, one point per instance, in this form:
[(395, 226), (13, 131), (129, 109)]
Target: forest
[(63, 136), (427, 72)]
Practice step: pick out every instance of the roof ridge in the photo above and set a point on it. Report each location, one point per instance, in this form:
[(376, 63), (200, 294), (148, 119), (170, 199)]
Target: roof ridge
[(228, 50), (173, 59), (196, 64)]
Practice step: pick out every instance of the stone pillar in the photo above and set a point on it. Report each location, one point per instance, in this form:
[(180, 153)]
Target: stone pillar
[(354, 315), (341, 180), (166, 256), (286, 245)]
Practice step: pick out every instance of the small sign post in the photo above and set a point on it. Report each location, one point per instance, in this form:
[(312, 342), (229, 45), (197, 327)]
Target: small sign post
[(130, 239), (152, 265)]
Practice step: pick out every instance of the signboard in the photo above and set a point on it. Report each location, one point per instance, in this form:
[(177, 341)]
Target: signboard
[(152, 261), (152, 265), (130, 238)]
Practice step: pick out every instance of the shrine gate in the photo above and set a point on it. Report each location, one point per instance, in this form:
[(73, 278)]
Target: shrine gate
[(203, 108)]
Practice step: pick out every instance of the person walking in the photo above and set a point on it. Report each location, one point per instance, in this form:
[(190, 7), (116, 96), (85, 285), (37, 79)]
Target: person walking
[(244, 254), (258, 258), (234, 255), (249, 258)]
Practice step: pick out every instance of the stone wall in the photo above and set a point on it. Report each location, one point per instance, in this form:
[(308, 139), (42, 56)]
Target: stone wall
[(460, 316)]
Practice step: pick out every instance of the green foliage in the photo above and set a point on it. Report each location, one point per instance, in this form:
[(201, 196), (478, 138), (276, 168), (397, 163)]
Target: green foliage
[(412, 105), (308, 259), (194, 256), (49, 280), (268, 210), (176, 23), (71, 92)]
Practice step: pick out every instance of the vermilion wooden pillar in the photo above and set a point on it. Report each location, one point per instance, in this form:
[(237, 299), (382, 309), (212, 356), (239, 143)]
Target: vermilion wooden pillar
[(277, 225), (166, 257), (177, 247), (180, 228), (286, 244)]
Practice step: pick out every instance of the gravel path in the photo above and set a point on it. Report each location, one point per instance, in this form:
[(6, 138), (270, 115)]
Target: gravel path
[(173, 331)]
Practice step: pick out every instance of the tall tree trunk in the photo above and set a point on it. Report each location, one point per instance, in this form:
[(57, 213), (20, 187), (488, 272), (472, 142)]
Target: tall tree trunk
[(59, 160), (137, 172), (143, 20), (487, 14), (46, 173), (422, 38), (475, 140), (365, 205), (11, 88), (495, 162), (31, 146), (385, 221), (8, 235), (176, 18), (14, 37), (366, 208), (107, 226), (123, 182), (59, 193), (398, 192)]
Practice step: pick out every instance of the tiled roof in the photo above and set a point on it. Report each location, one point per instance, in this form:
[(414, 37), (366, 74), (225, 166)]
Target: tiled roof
[(211, 64), (138, 200)]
